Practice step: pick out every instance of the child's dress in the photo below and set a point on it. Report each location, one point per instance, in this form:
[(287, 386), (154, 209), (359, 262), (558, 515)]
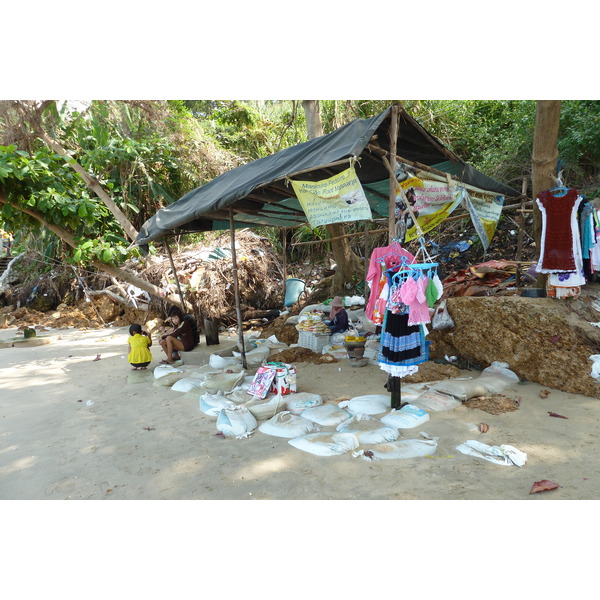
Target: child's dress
[(140, 353)]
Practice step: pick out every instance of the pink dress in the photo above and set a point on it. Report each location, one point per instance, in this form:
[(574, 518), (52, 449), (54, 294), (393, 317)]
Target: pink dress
[(413, 295), (375, 309)]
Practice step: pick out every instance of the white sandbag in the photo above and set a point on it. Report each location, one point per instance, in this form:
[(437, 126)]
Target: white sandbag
[(237, 395), (492, 380), (201, 372), (265, 409), (236, 422), (368, 430), (169, 379), (400, 449), (504, 455), (186, 384), (407, 417), (326, 415), (255, 357), (325, 444), (224, 382), (298, 402), (287, 425), (162, 370), (223, 362), (371, 404), (434, 401), (213, 404), (337, 351)]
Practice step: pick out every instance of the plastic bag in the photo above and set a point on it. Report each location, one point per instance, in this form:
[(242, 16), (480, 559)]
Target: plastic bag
[(441, 318), (504, 455), (187, 384)]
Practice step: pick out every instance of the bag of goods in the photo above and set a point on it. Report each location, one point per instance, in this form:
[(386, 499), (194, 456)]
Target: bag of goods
[(223, 382), (400, 449), (265, 409), (213, 404), (300, 401), (368, 430)]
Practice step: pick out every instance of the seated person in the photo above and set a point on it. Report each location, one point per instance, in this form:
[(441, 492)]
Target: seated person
[(180, 338), (338, 317)]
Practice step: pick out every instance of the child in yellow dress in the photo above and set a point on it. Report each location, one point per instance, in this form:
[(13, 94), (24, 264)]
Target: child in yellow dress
[(139, 356)]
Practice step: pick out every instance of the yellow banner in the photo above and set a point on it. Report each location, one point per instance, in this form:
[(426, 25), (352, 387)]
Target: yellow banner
[(338, 199)]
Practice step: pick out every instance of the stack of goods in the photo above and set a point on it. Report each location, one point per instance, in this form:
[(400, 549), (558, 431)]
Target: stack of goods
[(312, 322)]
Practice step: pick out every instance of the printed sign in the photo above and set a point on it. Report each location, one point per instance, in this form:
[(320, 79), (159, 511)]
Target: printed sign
[(432, 202), (486, 210), (338, 199)]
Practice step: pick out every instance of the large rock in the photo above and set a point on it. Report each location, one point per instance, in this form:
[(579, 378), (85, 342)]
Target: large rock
[(544, 340)]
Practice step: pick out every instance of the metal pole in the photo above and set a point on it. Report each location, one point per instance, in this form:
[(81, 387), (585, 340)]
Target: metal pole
[(236, 290), (175, 275)]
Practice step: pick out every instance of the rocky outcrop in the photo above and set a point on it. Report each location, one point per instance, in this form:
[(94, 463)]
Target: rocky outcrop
[(544, 340)]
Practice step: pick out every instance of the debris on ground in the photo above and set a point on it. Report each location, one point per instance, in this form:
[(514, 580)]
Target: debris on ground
[(543, 486), (494, 404)]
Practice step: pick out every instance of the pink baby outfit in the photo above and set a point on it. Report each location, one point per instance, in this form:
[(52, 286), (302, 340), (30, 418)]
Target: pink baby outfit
[(413, 295), (391, 255)]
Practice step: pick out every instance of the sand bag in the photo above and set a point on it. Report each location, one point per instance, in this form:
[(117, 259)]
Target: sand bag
[(326, 415), (492, 380), (407, 417), (169, 379), (372, 404), (236, 422), (400, 449), (223, 382), (501, 455), (213, 404), (368, 430), (325, 444), (223, 362), (435, 401), (300, 401), (265, 409), (187, 384), (286, 425), (163, 370)]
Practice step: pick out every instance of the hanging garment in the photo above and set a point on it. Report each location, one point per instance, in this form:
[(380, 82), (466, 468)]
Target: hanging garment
[(402, 346), (383, 258), (557, 251), (412, 293)]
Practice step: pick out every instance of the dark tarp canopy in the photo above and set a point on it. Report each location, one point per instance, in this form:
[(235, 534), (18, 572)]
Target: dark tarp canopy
[(258, 194)]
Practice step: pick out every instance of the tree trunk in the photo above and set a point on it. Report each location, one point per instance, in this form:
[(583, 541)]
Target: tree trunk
[(67, 237), (544, 160), (348, 264), (92, 183)]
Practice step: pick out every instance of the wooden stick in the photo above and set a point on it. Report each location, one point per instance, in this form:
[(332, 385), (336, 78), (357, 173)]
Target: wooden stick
[(175, 274), (338, 237), (236, 290), (392, 170), (520, 237)]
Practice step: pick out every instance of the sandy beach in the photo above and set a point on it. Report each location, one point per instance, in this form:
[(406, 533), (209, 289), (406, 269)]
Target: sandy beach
[(75, 428)]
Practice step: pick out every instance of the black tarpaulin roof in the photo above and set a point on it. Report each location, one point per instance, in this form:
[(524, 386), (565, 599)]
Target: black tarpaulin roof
[(258, 194)]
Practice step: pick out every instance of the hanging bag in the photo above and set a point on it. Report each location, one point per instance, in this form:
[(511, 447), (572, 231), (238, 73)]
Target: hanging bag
[(441, 318)]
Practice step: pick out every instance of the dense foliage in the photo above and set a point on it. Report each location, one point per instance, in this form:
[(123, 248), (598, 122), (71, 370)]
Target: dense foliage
[(146, 154)]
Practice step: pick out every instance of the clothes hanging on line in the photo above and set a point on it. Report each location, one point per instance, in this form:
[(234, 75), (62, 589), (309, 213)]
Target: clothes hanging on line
[(558, 208)]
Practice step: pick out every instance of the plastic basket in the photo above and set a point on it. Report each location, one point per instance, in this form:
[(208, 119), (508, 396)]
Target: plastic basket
[(313, 341)]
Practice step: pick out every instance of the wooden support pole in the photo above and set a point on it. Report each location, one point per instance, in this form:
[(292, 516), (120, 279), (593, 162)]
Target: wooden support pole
[(521, 218), (392, 194), (175, 275), (236, 290), (284, 262)]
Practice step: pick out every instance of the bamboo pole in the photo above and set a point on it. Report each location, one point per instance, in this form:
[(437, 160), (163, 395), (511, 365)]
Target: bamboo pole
[(392, 193), (236, 290), (338, 237), (284, 262), (520, 238), (175, 275)]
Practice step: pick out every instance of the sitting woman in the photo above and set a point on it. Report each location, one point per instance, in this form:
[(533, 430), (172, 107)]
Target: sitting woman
[(180, 338), (338, 317)]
